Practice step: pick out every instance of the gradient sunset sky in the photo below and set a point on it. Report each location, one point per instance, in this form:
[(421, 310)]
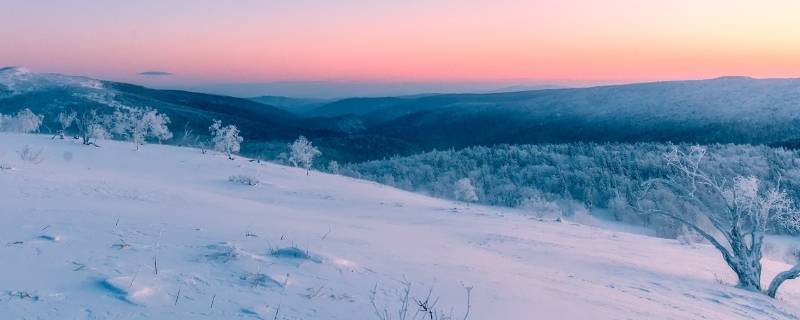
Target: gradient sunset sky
[(205, 41)]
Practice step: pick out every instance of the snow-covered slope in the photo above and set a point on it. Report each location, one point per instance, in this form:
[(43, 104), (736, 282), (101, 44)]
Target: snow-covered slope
[(84, 231), (19, 80)]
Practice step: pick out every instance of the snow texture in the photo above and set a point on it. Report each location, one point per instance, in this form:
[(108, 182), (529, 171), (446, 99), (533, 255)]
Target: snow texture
[(113, 233)]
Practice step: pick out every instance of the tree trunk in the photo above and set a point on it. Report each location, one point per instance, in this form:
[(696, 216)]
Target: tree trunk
[(792, 273), (745, 263), (749, 279)]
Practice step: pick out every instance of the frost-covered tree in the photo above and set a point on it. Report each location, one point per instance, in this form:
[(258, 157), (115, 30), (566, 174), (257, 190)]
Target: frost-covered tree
[(302, 153), (465, 191), (138, 125), (733, 215), (25, 121), (333, 167), (225, 138), (92, 127), (65, 120)]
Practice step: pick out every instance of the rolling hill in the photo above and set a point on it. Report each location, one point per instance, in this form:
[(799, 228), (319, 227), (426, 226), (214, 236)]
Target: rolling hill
[(161, 233), (50, 94), (729, 109), (723, 110)]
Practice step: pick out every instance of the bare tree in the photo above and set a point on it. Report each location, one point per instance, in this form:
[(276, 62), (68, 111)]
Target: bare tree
[(733, 215)]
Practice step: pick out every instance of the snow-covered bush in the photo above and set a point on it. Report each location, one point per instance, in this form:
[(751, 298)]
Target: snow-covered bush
[(738, 209), (188, 139), (465, 191), (244, 179), (92, 126), (25, 121), (541, 207), (407, 305), (65, 120), (225, 138), (30, 155), (302, 153), (333, 167), (139, 125)]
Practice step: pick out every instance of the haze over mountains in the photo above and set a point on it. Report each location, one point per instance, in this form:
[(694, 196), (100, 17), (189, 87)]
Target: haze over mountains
[(334, 89), (726, 110)]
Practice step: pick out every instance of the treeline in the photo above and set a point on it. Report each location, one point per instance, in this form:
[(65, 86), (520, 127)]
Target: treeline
[(600, 177)]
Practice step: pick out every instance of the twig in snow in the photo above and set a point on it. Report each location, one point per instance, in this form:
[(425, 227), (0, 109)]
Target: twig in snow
[(327, 233), (212, 301), (121, 245), (277, 311), (78, 266), (178, 296), (134, 277), (155, 251), (469, 301), (286, 281)]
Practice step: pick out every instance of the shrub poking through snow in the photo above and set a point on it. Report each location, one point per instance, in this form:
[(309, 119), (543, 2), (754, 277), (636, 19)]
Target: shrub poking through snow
[(260, 280), (23, 295), (294, 252), (244, 179), (28, 154), (427, 307), (223, 252)]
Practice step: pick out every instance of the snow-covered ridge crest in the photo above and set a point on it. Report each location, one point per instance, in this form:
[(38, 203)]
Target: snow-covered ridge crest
[(20, 80)]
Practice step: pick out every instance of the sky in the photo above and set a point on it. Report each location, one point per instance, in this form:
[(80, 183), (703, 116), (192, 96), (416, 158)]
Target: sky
[(197, 42)]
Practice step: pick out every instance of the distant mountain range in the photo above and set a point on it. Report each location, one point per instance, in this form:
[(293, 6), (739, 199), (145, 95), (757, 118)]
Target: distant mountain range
[(725, 110), (293, 105), (729, 109)]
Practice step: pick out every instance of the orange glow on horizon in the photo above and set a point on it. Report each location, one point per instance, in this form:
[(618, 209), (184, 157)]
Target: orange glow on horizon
[(445, 40)]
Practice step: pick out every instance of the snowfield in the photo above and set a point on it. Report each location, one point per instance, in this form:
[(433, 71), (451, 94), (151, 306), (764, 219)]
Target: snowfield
[(170, 233)]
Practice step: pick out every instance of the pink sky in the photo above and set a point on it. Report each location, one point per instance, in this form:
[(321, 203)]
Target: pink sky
[(379, 40)]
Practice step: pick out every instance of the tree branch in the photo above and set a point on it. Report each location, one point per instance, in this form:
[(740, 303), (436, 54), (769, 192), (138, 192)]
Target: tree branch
[(792, 273)]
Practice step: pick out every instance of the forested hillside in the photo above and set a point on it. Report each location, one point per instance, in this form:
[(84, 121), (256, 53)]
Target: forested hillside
[(568, 177)]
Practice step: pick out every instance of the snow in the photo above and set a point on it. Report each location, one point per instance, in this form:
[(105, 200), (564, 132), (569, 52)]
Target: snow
[(21, 80), (160, 233)]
